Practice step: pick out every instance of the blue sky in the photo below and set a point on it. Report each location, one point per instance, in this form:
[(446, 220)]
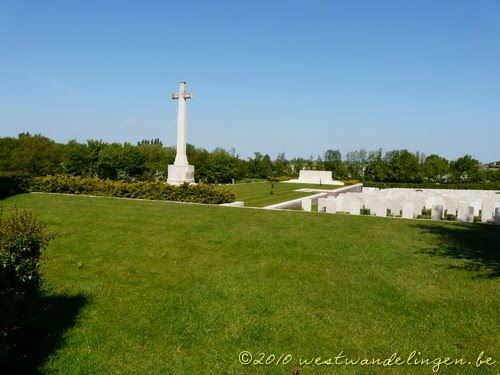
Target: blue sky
[(299, 77)]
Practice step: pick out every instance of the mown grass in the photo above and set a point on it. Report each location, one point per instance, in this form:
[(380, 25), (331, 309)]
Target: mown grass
[(157, 288), (258, 194)]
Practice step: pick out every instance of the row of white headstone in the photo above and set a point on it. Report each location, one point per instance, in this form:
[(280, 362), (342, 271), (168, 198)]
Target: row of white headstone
[(409, 203)]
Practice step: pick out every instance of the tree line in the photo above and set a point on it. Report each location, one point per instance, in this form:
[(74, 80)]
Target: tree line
[(38, 155)]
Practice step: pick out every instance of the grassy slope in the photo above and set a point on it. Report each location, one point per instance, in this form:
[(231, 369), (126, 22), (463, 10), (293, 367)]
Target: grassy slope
[(173, 288), (258, 194)]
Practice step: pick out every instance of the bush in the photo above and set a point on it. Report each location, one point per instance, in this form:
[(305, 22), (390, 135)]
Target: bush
[(22, 240), (278, 178), (201, 193), (13, 183), (493, 185)]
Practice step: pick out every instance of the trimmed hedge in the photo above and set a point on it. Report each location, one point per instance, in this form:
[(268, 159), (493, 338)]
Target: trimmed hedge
[(494, 185), (22, 239), (201, 193), (14, 183)]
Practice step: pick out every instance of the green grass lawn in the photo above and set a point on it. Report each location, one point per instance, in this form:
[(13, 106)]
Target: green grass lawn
[(258, 194), (151, 287)]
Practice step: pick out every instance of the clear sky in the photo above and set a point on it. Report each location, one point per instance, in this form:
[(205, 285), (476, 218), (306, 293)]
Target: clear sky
[(299, 77)]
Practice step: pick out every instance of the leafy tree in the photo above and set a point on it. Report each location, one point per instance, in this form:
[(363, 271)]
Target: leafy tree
[(222, 167), (157, 160), (356, 162), (465, 169), (7, 147), (403, 166), (436, 168), (281, 165), (333, 162), (200, 158), (260, 166), (110, 161), (377, 168), (36, 155), (133, 161), (78, 160)]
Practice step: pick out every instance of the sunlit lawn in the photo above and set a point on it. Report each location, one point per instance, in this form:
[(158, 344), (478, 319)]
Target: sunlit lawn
[(258, 194), (162, 288)]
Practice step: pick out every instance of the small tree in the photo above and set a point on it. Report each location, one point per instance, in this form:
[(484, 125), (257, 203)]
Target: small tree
[(22, 240)]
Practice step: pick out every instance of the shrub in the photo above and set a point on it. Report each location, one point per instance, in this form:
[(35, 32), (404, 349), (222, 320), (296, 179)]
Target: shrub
[(201, 193), (14, 183), (22, 239), (493, 185), (278, 178)]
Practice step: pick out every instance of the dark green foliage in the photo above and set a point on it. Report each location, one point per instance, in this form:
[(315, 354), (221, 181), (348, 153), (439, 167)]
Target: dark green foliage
[(201, 193), (14, 183), (36, 155), (493, 185), (260, 166), (222, 167), (465, 169), (22, 239), (436, 168)]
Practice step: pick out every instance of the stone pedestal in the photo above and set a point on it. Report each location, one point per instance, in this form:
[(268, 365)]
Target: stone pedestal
[(178, 174)]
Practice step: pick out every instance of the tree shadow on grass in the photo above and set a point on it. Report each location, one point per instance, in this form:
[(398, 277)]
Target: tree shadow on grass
[(44, 334), (477, 244)]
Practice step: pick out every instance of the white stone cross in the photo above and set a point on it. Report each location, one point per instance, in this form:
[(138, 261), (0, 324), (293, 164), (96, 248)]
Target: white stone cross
[(181, 172), (182, 96)]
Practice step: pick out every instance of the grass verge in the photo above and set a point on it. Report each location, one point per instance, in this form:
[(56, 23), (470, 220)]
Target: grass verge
[(258, 194), (156, 287)]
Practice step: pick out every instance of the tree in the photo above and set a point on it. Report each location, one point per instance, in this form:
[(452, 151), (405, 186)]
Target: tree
[(280, 165), (7, 147), (36, 155), (157, 160), (222, 166), (333, 162), (436, 168), (465, 169), (77, 159), (133, 161), (260, 166), (403, 166), (356, 162), (110, 161), (377, 168)]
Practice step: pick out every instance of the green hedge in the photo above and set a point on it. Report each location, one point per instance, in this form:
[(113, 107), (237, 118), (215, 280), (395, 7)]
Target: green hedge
[(201, 193), (494, 185), (14, 183), (22, 240)]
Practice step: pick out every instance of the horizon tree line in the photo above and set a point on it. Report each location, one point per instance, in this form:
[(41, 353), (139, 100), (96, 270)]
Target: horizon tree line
[(38, 155)]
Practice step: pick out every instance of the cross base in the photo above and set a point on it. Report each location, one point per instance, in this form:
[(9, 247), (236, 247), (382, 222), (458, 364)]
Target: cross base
[(178, 174)]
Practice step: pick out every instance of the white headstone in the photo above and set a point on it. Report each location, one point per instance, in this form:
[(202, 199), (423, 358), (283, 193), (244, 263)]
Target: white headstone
[(408, 209), (339, 203), (381, 209), (497, 216), (437, 212), (321, 204), (465, 213), (487, 211), (307, 204), (355, 207), (429, 202), (477, 206), (330, 205)]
